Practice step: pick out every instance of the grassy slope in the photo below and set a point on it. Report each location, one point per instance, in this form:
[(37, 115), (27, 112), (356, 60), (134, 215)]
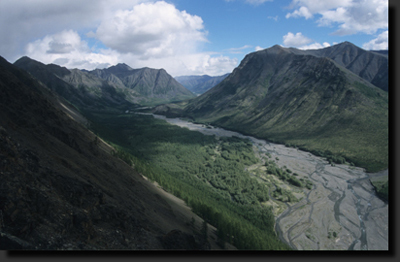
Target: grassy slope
[(354, 124)]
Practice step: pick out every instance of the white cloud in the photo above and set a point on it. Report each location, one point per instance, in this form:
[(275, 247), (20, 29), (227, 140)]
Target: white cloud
[(314, 46), (68, 49), (139, 33), (273, 18), (295, 40), (238, 50), (23, 21), (351, 16), (300, 41), (302, 11), (379, 43), (259, 48), (152, 29)]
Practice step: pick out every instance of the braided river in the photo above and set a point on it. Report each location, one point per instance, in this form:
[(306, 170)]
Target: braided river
[(340, 212)]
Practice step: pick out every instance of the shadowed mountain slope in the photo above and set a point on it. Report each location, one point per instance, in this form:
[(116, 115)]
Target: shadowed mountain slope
[(288, 96), (61, 189)]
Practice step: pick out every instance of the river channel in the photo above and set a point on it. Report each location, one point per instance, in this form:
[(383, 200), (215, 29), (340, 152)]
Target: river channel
[(340, 212)]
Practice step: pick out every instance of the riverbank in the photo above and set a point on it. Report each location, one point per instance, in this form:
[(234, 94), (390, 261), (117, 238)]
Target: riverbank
[(340, 212)]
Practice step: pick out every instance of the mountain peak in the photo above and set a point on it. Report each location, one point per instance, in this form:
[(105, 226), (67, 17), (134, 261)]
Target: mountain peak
[(26, 59), (276, 47), (123, 66)]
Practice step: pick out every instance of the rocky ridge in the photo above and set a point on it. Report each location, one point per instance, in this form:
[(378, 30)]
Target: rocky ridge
[(62, 190), (150, 85), (291, 96)]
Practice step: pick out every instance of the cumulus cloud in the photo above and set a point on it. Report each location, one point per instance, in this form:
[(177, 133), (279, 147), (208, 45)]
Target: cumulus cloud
[(140, 33), (302, 11), (300, 41), (22, 21), (68, 49), (351, 16), (152, 29), (379, 43), (295, 40), (315, 46)]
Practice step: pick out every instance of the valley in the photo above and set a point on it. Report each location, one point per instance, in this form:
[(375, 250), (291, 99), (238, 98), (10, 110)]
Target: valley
[(303, 166), (340, 212)]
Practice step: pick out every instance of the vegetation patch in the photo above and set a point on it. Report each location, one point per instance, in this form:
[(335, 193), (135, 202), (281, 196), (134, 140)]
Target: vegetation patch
[(381, 186), (207, 172)]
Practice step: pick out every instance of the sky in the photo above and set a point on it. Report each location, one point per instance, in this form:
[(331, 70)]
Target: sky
[(185, 37)]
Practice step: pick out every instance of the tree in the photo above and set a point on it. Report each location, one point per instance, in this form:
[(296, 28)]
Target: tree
[(204, 229)]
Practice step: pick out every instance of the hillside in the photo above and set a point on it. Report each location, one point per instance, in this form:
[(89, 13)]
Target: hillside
[(200, 84), (152, 86), (312, 102), (369, 65), (62, 190)]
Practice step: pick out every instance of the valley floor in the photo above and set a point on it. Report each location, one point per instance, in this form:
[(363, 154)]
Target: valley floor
[(340, 212)]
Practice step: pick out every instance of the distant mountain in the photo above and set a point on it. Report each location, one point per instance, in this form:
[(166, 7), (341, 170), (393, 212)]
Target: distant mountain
[(305, 99), (61, 189), (382, 52), (117, 86), (152, 86), (200, 84), (78, 87)]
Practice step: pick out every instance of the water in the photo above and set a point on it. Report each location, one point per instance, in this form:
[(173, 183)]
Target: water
[(335, 204)]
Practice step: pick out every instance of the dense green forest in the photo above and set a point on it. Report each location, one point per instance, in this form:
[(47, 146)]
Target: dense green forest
[(207, 172)]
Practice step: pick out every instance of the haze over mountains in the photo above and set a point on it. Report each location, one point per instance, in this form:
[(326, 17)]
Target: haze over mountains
[(321, 100), (200, 84)]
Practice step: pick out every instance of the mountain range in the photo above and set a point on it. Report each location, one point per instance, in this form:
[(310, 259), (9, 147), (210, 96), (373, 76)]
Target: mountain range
[(117, 87), (151, 86), (62, 188), (369, 65), (200, 84), (329, 101)]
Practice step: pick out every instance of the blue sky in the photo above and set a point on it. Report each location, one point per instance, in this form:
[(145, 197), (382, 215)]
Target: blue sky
[(185, 37)]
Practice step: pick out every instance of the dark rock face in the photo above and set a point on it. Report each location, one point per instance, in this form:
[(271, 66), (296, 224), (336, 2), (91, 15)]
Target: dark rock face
[(59, 186)]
